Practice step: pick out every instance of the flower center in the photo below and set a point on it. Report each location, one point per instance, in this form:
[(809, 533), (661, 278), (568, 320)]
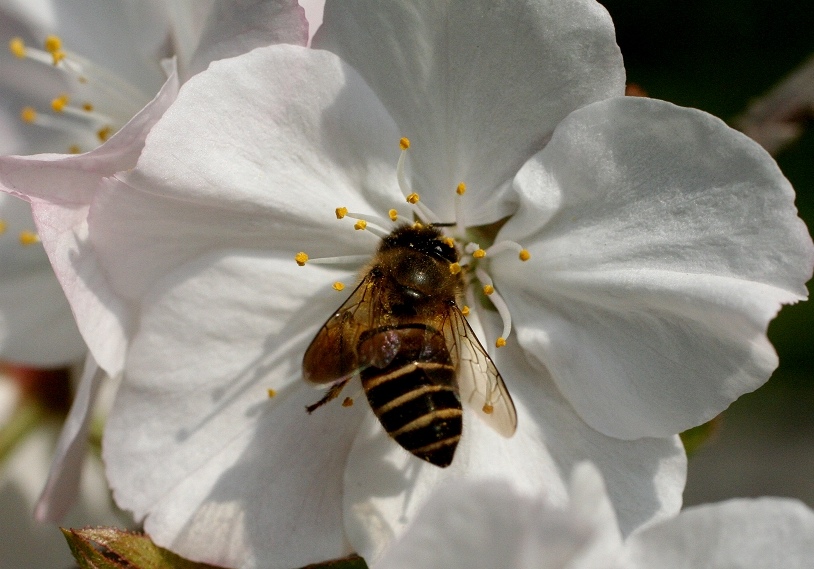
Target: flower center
[(95, 104), (473, 262)]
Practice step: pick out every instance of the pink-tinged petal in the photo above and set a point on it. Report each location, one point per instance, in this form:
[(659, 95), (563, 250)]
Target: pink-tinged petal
[(236, 27), (662, 243), (62, 486), (313, 14), (60, 189), (257, 153), (759, 534), (477, 86), (36, 324), (195, 447), (385, 486)]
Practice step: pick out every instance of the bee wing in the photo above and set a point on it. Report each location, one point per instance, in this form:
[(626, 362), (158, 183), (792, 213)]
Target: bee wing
[(332, 355), (479, 382)]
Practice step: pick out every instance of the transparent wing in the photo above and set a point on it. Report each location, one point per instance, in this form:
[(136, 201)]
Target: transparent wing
[(479, 382), (332, 355)]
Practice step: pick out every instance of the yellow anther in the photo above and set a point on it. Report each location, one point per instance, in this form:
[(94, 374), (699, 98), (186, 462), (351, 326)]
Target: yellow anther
[(28, 114), (488, 408), (57, 56), (488, 289), (454, 268), (393, 214), (104, 133), (28, 238), (53, 44), (413, 198), (360, 225), (339, 286), (524, 255), (341, 212), (479, 254), (74, 149), (465, 310), (60, 103), (301, 258), (404, 143), (418, 224), (348, 402), (272, 393), (17, 47), (461, 189), (449, 241), (3, 226), (500, 342), (87, 107)]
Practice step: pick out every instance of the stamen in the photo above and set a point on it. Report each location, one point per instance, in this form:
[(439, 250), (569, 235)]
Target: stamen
[(393, 215), (460, 226), (454, 268), (499, 304), (465, 310), (341, 260), (272, 393), (29, 238), (28, 114), (375, 224), (411, 196), (60, 103), (500, 246), (339, 286), (17, 47), (3, 226)]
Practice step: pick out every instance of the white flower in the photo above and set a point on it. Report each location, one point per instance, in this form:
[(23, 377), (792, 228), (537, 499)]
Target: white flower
[(74, 73), (182, 273), (492, 524), (108, 98)]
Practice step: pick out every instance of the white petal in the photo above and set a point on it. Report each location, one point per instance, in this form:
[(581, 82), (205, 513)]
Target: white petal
[(766, 533), (223, 473), (477, 86), (236, 27), (62, 486), (662, 244), (257, 152), (385, 486), (489, 524)]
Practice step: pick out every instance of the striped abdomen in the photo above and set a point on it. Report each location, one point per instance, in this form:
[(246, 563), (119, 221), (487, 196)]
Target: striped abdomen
[(414, 395)]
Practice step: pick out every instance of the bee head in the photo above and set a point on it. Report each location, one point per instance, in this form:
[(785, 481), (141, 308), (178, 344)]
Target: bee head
[(422, 239)]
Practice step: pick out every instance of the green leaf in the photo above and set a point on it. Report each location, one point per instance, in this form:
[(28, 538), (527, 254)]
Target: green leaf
[(349, 562), (112, 548)]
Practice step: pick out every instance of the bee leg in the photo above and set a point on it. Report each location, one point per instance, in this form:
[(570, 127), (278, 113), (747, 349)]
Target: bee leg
[(332, 393)]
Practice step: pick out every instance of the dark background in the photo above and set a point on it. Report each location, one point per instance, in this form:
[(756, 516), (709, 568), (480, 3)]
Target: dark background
[(718, 55)]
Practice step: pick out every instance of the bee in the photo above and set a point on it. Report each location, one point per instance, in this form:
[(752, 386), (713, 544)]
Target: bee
[(402, 332)]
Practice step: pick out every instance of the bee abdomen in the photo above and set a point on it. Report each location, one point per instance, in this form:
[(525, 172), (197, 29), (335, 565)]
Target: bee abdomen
[(423, 415)]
